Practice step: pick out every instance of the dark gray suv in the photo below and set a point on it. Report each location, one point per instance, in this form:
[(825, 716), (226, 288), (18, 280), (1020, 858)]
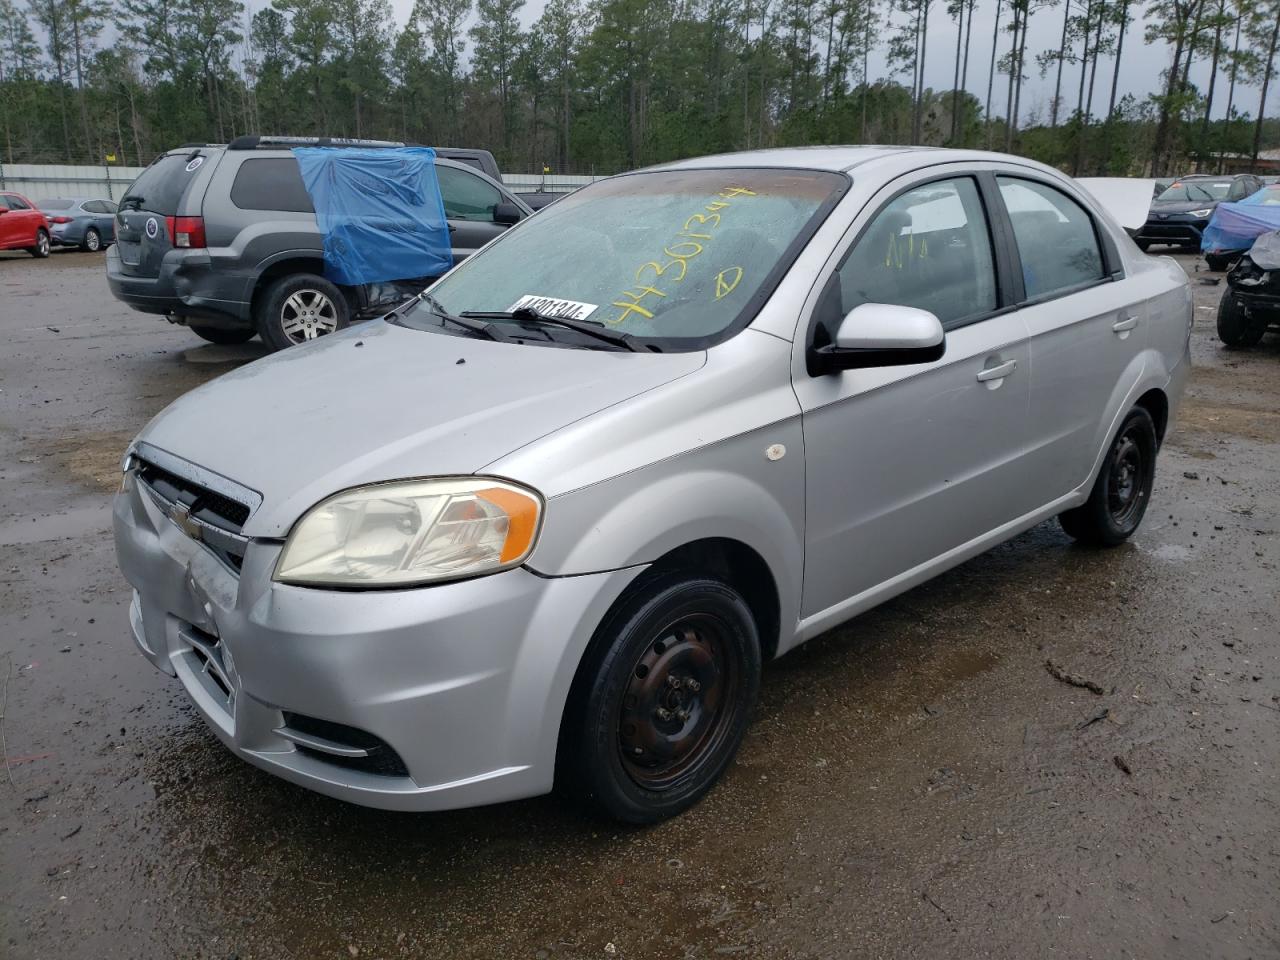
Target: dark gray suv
[(224, 238)]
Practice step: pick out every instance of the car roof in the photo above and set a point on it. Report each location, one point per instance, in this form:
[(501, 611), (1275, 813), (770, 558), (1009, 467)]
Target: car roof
[(839, 159)]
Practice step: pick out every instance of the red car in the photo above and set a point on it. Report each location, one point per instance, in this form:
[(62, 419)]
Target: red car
[(22, 226)]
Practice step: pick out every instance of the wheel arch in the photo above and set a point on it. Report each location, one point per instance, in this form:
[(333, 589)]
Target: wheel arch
[(283, 265)]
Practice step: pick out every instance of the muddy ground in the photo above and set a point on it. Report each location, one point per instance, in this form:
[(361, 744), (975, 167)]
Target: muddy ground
[(915, 784)]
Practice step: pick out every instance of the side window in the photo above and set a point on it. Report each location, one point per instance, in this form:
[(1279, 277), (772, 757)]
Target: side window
[(270, 183), (93, 206), (17, 203), (108, 206), (466, 197), (929, 248), (4, 202), (1056, 239)]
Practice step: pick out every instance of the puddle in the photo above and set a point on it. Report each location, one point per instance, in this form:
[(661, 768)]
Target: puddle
[(1171, 552), (73, 523)]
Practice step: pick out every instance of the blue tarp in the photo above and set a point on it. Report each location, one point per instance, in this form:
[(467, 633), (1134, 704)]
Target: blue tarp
[(379, 212), (1234, 226)]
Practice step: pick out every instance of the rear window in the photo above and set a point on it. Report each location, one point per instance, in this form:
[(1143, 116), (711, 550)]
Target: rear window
[(160, 187), (270, 183), (56, 203)]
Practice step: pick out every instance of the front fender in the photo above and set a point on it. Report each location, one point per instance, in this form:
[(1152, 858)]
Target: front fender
[(727, 490)]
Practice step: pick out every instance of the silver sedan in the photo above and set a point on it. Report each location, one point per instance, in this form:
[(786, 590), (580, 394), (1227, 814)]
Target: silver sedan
[(544, 524)]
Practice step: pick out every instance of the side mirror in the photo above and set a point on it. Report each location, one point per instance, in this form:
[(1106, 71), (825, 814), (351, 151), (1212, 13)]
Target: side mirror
[(507, 213), (881, 335)]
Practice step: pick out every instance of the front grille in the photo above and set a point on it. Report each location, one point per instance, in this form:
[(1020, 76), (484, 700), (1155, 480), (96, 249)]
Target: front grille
[(206, 657), (204, 504), (205, 514), (378, 756)]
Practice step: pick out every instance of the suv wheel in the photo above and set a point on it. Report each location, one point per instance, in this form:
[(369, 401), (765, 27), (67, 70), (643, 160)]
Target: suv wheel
[(1123, 489), (224, 335), (41, 249), (299, 308), (662, 701), (92, 240)]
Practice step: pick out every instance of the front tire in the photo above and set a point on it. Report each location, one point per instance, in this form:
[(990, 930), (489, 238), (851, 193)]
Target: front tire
[(662, 700), (92, 241), (1122, 491), (224, 335), (299, 308), (1235, 327), (42, 247)]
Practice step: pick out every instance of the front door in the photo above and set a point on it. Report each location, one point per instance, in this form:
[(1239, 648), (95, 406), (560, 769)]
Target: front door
[(906, 464), (468, 204)]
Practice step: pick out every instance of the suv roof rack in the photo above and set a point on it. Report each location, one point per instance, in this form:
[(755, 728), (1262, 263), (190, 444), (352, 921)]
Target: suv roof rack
[(255, 142)]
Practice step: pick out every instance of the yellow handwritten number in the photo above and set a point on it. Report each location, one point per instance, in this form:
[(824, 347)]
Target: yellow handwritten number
[(727, 281)]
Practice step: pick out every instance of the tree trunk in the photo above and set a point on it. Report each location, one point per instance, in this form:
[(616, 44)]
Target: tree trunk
[(1266, 83), (1213, 76), (1231, 88), (924, 41), (1062, 56), (991, 73), (955, 81), (1013, 70), (1115, 75), (964, 70)]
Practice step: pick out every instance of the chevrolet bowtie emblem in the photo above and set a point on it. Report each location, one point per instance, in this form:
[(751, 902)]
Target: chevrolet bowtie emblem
[(180, 514)]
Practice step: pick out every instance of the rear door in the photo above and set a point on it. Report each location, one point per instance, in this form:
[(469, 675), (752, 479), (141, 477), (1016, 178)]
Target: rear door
[(142, 233), (469, 201), (1085, 327)]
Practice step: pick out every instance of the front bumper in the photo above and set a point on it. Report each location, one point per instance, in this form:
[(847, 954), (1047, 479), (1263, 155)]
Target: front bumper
[(465, 682), (1175, 230)]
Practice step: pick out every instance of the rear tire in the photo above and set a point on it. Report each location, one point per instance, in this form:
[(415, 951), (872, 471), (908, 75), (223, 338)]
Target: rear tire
[(224, 335), (1122, 491), (1218, 262), (42, 247), (92, 241), (1237, 329), (662, 699), (298, 308)]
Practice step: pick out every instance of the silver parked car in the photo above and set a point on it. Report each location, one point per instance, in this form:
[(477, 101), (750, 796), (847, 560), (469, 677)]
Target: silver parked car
[(544, 524)]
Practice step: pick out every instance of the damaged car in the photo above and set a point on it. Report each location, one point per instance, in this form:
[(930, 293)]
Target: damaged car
[(544, 524), (1250, 305)]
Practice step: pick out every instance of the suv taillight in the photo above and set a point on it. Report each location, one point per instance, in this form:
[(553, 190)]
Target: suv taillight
[(186, 231)]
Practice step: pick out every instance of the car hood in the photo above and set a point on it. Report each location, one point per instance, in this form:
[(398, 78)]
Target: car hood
[(384, 402), (1182, 206)]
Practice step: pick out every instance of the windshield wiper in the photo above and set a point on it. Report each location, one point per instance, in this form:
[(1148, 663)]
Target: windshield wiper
[(486, 330), (584, 327)]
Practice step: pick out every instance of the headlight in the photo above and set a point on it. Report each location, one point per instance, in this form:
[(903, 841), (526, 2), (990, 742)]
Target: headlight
[(412, 532), (1202, 213)]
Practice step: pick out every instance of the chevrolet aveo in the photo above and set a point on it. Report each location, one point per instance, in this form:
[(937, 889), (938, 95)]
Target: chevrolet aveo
[(542, 526)]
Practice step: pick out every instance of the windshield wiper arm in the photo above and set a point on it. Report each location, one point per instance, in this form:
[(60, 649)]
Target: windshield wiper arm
[(584, 327), (486, 330)]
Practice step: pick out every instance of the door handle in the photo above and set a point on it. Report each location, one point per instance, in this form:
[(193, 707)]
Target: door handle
[(1125, 325), (998, 372)]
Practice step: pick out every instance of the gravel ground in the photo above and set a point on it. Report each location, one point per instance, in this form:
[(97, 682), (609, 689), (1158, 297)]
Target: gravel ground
[(915, 783)]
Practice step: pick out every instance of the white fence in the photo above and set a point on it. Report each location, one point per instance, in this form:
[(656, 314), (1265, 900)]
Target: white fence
[(38, 180)]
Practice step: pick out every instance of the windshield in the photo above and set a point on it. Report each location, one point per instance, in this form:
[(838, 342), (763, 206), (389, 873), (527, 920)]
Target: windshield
[(1190, 190), (674, 257)]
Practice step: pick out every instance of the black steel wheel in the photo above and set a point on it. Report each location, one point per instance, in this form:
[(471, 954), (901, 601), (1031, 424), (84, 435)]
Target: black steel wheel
[(662, 699), (1123, 488)]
